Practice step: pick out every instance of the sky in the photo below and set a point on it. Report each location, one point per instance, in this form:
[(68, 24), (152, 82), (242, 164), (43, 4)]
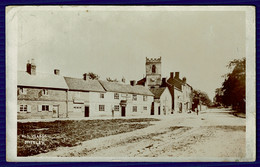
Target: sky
[(198, 44)]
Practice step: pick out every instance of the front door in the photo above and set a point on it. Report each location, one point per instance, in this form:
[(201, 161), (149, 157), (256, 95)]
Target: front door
[(159, 110), (152, 109), (123, 111), (86, 111), (55, 111)]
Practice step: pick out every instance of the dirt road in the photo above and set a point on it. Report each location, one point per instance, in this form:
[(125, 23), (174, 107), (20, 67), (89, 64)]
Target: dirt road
[(214, 133)]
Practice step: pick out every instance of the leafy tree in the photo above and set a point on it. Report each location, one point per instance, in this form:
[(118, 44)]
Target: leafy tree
[(93, 76), (200, 97), (234, 85), (112, 80)]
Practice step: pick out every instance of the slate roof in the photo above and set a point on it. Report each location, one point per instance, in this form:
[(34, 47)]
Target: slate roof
[(157, 92), (84, 85), (42, 80), (125, 88)]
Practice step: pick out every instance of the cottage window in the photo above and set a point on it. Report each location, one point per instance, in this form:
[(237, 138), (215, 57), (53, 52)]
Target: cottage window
[(23, 108), (144, 98), (134, 108), (101, 107), (145, 107), (116, 95), (116, 107), (102, 95), (45, 107), (45, 92), (134, 97), (23, 91)]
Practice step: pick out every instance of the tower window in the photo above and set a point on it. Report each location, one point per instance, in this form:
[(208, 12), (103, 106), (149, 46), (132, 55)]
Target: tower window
[(153, 69)]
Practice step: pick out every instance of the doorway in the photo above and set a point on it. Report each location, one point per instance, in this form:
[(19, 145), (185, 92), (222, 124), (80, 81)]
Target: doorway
[(55, 111), (123, 111), (159, 110), (86, 111), (152, 109)]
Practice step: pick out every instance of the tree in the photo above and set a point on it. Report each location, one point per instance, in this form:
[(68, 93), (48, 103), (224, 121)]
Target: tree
[(112, 80), (200, 97), (92, 76), (233, 86)]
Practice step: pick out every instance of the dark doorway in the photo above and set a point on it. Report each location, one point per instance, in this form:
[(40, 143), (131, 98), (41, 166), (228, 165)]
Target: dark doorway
[(86, 111), (159, 110), (152, 109), (123, 111)]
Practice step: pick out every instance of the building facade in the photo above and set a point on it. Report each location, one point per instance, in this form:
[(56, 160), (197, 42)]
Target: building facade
[(162, 101), (182, 92), (126, 99), (40, 95)]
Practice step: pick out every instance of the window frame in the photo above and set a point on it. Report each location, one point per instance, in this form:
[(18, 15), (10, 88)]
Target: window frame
[(22, 91), (134, 97), (145, 108), (24, 108), (144, 98), (102, 96), (116, 95), (101, 108), (116, 107), (45, 92), (45, 107), (134, 108)]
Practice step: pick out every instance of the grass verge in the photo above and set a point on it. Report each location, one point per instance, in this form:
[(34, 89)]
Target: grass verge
[(41, 137)]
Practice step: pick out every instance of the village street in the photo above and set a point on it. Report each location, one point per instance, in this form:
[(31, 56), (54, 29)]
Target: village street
[(212, 133)]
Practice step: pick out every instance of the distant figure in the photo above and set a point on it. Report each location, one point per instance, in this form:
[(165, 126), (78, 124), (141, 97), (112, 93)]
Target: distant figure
[(112, 112), (197, 111)]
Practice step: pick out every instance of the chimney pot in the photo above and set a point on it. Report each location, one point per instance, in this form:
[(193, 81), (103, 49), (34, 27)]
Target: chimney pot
[(172, 74), (184, 79), (163, 80), (56, 71), (85, 76), (177, 74), (31, 67), (133, 83)]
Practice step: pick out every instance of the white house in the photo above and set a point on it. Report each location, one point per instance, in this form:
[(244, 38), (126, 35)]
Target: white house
[(162, 101), (122, 100), (95, 98)]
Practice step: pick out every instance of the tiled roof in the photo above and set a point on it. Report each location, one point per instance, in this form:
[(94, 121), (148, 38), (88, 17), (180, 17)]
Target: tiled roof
[(125, 88), (141, 82), (176, 83), (157, 92), (41, 80), (84, 85)]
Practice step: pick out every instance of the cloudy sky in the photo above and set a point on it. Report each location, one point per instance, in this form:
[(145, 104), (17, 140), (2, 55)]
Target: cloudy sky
[(198, 44)]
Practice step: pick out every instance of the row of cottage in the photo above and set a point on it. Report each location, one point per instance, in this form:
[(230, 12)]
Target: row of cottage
[(42, 95)]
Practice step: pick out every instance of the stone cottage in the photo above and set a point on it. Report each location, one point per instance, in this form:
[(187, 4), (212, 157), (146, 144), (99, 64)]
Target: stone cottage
[(41, 95)]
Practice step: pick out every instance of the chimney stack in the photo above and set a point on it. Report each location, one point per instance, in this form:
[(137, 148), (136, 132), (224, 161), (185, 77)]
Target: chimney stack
[(56, 71), (31, 67), (177, 74), (132, 82), (184, 79), (171, 74), (163, 81), (85, 76)]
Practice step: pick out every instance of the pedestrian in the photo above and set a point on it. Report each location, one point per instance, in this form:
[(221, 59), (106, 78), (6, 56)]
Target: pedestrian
[(112, 112), (197, 111)]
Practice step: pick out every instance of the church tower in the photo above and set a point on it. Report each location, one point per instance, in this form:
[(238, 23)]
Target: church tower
[(153, 72)]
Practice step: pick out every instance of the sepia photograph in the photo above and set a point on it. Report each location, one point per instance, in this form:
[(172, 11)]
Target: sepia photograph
[(130, 83)]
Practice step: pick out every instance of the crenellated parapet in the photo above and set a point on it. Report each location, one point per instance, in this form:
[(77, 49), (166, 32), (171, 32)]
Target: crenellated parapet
[(153, 60)]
